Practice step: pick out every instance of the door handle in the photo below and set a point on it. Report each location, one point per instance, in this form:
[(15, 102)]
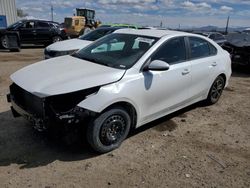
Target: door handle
[(185, 71), (214, 64)]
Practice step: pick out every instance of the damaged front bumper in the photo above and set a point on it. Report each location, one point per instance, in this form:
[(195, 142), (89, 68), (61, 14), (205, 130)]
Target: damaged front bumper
[(38, 123), (45, 112)]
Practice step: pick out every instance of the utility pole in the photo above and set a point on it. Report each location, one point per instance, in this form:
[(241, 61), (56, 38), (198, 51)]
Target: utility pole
[(226, 31), (52, 13)]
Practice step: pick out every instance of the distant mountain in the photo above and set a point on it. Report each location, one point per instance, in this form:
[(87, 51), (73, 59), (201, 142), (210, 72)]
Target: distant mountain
[(215, 28)]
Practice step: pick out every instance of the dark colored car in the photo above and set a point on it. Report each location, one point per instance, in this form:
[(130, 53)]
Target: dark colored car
[(215, 36), (38, 31), (9, 40), (238, 45)]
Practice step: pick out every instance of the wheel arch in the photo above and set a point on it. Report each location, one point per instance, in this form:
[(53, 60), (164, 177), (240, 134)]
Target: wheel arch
[(223, 76), (128, 107)]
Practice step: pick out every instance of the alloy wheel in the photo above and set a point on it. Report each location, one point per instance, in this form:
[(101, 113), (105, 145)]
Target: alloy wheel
[(217, 89)]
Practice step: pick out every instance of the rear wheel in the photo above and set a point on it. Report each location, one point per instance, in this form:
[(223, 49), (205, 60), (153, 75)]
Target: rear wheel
[(56, 39), (5, 41), (216, 90), (107, 131)]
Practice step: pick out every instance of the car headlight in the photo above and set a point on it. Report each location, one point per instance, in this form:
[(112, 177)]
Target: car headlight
[(61, 53), (53, 53)]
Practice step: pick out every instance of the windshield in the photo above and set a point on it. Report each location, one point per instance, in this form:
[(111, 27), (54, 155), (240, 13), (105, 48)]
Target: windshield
[(117, 50), (14, 25), (96, 34)]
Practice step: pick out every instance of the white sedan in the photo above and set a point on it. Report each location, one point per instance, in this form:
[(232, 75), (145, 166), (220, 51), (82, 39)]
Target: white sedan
[(70, 46), (120, 82)]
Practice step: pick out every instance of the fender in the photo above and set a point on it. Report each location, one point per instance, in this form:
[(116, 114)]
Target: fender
[(105, 97)]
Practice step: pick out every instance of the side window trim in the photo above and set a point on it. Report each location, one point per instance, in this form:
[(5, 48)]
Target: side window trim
[(188, 49)]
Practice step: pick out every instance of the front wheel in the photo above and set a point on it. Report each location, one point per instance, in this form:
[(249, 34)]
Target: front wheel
[(216, 90), (5, 41), (56, 39), (106, 132)]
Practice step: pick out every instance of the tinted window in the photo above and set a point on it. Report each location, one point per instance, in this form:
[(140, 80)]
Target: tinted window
[(42, 24), (29, 25), (14, 25), (199, 48), (172, 51), (96, 34)]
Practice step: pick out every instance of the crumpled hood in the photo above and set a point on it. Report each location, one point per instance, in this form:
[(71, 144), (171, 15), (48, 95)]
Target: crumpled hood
[(64, 74), (68, 45)]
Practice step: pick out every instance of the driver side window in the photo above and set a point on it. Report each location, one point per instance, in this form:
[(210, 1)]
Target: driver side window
[(173, 51), (29, 25)]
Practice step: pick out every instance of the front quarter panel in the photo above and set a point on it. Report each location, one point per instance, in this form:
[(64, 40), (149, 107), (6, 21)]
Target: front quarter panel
[(108, 95)]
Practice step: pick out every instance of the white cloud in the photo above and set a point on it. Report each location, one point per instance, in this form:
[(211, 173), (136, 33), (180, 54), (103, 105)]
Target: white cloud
[(147, 12), (226, 8), (196, 6)]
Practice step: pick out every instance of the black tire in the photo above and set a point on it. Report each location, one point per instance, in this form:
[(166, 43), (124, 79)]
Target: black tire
[(107, 131), (56, 39), (215, 90), (5, 42), (15, 50)]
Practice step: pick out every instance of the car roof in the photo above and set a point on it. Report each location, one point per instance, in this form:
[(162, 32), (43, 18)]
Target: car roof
[(152, 32), (109, 28), (37, 20)]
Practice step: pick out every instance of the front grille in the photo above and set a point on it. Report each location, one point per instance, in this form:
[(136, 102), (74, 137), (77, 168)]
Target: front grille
[(27, 101)]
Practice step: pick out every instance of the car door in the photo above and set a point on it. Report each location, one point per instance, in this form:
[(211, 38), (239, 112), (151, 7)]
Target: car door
[(166, 91), (203, 62), (43, 32), (27, 32)]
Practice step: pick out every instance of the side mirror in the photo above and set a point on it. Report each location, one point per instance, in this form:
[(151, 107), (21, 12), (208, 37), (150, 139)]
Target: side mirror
[(157, 65)]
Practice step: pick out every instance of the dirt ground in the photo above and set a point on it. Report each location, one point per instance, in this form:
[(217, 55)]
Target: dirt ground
[(200, 146)]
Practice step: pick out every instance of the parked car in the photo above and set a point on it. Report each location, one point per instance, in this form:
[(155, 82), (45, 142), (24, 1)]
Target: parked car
[(238, 45), (120, 82), (217, 37), (69, 46), (38, 31), (247, 31), (120, 25), (9, 40)]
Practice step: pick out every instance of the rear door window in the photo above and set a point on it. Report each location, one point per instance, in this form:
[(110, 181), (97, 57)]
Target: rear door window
[(199, 48), (43, 25)]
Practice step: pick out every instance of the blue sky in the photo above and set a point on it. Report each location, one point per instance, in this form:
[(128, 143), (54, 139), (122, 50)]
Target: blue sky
[(172, 13)]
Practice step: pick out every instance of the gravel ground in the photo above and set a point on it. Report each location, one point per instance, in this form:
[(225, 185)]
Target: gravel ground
[(200, 146)]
